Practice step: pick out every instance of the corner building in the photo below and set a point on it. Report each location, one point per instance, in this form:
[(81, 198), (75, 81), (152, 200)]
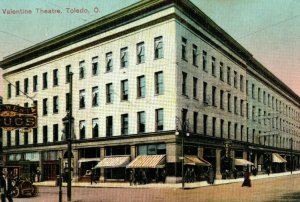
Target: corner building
[(143, 78)]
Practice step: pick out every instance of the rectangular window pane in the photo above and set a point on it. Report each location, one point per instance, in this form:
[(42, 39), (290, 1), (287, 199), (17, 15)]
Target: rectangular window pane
[(140, 49), (141, 86), (109, 62), (158, 48), (81, 69), (109, 126), (95, 96), (159, 114), (124, 57), (124, 124), (141, 122), (82, 129), (55, 77), (68, 70), (26, 83), (82, 99), (94, 66), (45, 80), (95, 125), (109, 93), (183, 48), (159, 83), (124, 90)]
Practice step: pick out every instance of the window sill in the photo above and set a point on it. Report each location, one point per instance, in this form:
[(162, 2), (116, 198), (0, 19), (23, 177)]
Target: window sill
[(195, 65), (158, 94), (157, 58), (195, 98), (140, 97), (55, 85), (186, 96), (81, 108), (95, 105), (55, 112), (184, 59)]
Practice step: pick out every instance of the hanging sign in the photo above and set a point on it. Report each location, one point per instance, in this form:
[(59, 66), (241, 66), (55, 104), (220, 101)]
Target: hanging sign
[(14, 116)]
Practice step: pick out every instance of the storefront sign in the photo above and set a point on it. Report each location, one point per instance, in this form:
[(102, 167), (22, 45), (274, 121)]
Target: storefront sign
[(14, 116)]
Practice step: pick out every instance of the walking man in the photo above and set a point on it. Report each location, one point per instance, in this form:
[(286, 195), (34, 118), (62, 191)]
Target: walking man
[(6, 187), (93, 176)]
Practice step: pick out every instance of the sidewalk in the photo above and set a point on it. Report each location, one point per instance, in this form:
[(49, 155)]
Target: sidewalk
[(161, 185)]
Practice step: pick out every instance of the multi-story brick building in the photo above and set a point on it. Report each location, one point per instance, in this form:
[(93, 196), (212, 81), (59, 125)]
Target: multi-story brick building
[(140, 75)]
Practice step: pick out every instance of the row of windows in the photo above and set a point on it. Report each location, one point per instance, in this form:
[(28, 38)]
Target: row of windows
[(140, 54), (195, 62)]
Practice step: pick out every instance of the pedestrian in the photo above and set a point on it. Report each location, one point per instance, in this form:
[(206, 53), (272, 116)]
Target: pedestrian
[(38, 174), (163, 175), (93, 176), (211, 176), (156, 176), (247, 181), (235, 173), (192, 175), (6, 186), (131, 177), (268, 170), (144, 177)]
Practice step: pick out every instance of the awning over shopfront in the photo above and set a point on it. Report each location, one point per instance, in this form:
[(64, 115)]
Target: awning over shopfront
[(84, 160), (276, 158), (195, 161), (242, 162), (148, 161), (113, 162)]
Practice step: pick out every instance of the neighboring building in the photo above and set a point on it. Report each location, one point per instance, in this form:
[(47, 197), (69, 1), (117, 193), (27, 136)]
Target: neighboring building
[(1, 100), (137, 76)]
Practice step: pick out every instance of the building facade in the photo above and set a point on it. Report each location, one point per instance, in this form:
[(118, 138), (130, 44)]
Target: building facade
[(144, 78)]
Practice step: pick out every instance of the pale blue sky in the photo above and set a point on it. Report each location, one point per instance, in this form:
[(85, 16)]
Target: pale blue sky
[(269, 29)]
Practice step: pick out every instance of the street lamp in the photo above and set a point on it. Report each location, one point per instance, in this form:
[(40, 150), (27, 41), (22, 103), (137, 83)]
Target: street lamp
[(184, 124), (291, 162), (60, 180)]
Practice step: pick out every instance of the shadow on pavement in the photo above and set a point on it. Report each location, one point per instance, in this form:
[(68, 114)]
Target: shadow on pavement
[(291, 197)]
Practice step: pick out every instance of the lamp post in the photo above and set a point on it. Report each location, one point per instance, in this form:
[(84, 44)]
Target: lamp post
[(184, 124), (291, 162), (60, 180)]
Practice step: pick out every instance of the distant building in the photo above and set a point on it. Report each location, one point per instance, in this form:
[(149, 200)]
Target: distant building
[(1, 100), (140, 76)]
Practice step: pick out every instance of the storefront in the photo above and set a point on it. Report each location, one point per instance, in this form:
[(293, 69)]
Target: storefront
[(88, 159), (50, 165)]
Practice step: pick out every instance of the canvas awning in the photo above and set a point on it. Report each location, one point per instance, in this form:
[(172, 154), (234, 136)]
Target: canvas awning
[(148, 161), (276, 158), (82, 160), (113, 162), (242, 162), (195, 161)]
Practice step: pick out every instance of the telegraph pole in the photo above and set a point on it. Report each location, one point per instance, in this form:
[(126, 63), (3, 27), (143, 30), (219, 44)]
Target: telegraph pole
[(69, 186)]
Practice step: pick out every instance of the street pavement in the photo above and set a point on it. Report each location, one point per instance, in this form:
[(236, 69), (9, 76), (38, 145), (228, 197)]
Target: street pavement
[(276, 187)]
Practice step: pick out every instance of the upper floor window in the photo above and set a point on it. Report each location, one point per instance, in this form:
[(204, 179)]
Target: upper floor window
[(82, 99), (204, 61), (221, 71), (45, 106), (25, 138), (183, 48), (205, 100), (159, 119), (183, 86), (247, 88), (109, 126), (26, 83), (158, 48), (228, 102), (82, 129), (124, 90), (159, 83), (8, 140), (141, 86), (258, 94), (35, 83), (241, 83), (81, 69), (95, 96), (35, 136), (55, 104), (253, 91), (9, 90), (235, 105), (95, 66), (17, 88), (95, 125), (195, 55), (140, 49), (235, 79), (141, 122), (213, 96), (109, 62), (45, 80), (124, 57), (17, 138), (195, 87), (124, 124), (45, 134), (213, 66), (228, 76), (221, 99), (109, 93), (241, 107), (68, 71), (55, 77), (55, 132)]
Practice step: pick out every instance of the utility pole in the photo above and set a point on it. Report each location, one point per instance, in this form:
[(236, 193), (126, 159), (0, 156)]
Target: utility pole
[(291, 162), (69, 186)]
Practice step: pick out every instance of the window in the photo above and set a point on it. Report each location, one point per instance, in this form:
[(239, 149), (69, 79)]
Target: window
[(205, 100), (213, 66), (68, 71), (204, 124), (221, 99), (159, 83), (195, 118), (45, 134), (140, 49), (184, 115), (9, 90), (109, 62), (264, 97), (26, 104), (259, 115), (95, 96), (95, 66), (253, 113), (81, 99), (247, 87), (242, 130), (241, 107), (241, 83), (124, 57), (253, 91), (45, 80), (17, 88), (55, 132), (25, 138), (55, 104), (235, 105), (82, 129), (258, 95), (141, 122), (124, 124), (195, 55), (141, 86), (228, 102), (109, 126), (26, 83), (35, 135), (253, 135), (183, 86), (235, 79), (159, 119), (8, 143), (17, 137), (235, 130), (228, 76), (35, 83), (124, 90), (213, 96), (247, 111), (95, 125), (109, 93), (221, 71), (67, 101), (158, 48), (55, 77), (81, 69), (204, 61), (183, 48), (214, 126), (45, 106), (221, 128), (195, 87)]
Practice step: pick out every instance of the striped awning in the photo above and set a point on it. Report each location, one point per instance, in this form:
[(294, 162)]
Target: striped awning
[(195, 161), (82, 160), (276, 158), (148, 161), (113, 162), (242, 162)]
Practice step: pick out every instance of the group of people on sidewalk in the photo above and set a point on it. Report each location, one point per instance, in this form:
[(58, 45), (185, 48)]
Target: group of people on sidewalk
[(141, 176)]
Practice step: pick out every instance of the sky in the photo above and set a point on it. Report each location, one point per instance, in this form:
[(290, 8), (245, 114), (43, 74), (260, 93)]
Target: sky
[(268, 29)]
